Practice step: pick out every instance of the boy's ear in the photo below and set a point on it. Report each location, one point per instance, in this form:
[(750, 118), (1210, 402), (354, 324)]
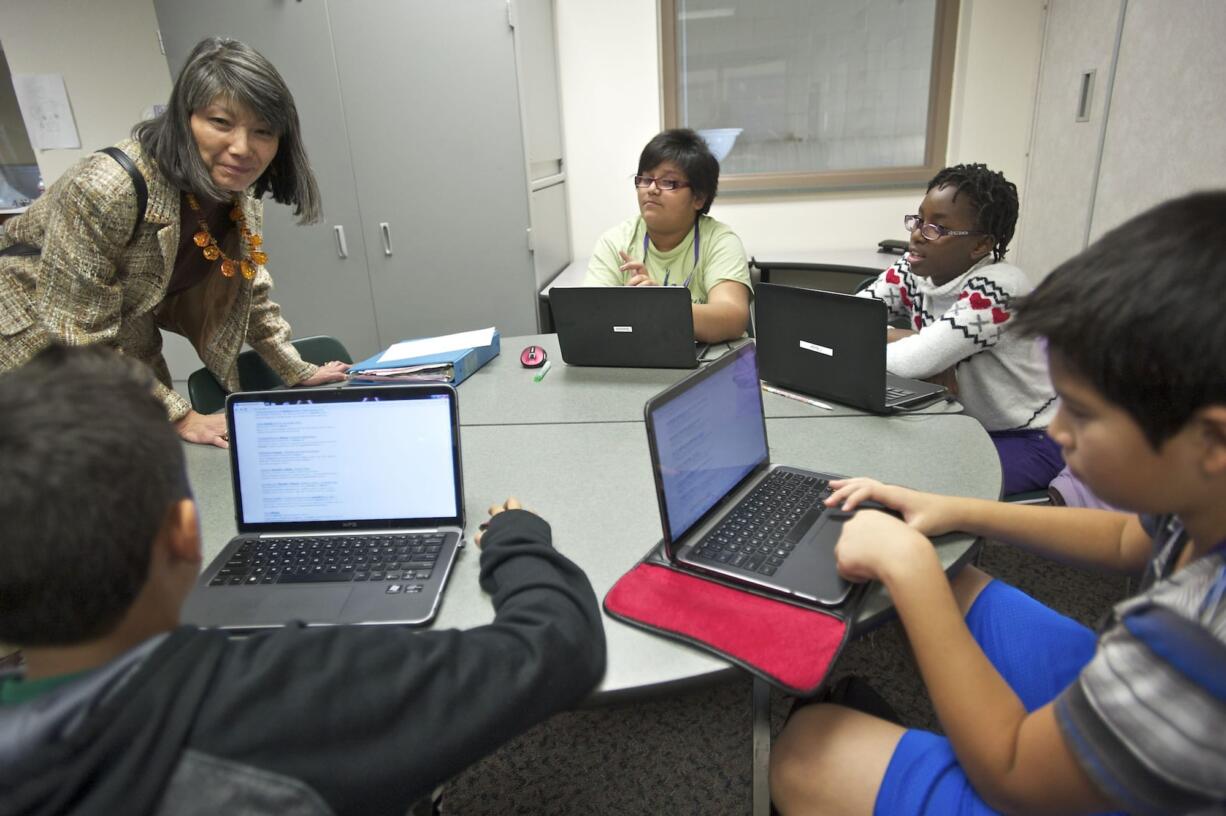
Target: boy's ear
[(181, 531), (1213, 431)]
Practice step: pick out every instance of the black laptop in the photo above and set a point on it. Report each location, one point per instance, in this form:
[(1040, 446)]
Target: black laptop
[(349, 506), (628, 326), (831, 345), (725, 509)]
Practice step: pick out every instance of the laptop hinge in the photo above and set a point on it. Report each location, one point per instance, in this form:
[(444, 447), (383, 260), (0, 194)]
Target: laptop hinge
[(332, 533)]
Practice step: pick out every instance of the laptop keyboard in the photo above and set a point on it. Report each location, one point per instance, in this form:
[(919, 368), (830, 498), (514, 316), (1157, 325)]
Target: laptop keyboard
[(767, 525), (894, 393), (315, 560)]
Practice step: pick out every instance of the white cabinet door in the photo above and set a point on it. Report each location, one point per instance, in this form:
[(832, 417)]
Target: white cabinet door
[(432, 107), (1070, 114), (1166, 133)]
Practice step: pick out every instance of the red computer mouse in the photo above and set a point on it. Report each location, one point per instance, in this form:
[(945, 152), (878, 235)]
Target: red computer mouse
[(532, 357)]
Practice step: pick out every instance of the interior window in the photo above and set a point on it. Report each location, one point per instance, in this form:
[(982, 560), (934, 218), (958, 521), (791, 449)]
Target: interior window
[(812, 95)]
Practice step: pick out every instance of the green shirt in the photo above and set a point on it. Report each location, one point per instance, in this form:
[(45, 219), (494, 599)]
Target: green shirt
[(15, 690), (720, 257)]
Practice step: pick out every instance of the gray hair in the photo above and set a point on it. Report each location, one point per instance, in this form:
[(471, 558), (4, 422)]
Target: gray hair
[(234, 71)]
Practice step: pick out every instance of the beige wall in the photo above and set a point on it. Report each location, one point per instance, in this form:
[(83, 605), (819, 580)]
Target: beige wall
[(107, 51), (610, 80)]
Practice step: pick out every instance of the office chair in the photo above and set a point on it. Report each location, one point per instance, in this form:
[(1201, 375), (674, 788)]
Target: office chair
[(208, 395), (864, 284)]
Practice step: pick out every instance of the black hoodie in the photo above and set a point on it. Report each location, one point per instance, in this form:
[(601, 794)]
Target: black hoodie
[(360, 720)]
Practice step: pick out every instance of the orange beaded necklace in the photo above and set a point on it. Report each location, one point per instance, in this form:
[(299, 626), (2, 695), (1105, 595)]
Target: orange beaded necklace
[(211, 251)]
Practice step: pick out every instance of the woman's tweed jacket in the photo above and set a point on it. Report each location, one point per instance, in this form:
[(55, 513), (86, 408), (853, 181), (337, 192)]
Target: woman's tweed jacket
[(90, 285)]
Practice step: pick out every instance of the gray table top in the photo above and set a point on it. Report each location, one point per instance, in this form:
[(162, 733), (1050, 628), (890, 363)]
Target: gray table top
[(503, 392), (593, 483)]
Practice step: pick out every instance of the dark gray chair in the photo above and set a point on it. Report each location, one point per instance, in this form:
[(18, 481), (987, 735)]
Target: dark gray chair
[(209, 396)]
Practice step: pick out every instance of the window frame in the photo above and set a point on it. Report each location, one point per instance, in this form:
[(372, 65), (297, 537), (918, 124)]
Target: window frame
[(936, 137)]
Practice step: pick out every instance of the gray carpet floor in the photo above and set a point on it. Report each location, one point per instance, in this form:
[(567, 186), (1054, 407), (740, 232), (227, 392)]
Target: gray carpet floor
[(691, 753)]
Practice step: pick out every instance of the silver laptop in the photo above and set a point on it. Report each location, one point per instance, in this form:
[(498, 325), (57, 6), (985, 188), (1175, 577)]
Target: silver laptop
[(726, 510), (349, 505), (633, 327), (832, 345)]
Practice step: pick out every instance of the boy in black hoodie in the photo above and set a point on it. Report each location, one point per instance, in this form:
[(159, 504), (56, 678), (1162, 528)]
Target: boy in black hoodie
[(120, 709)]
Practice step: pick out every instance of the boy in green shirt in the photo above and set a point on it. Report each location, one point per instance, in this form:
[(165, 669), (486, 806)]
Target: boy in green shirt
[(673, 242)]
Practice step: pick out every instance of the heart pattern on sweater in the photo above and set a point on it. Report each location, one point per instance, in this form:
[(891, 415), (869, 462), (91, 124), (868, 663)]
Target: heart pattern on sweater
[(999, 315), (978, 301), (891, 276)]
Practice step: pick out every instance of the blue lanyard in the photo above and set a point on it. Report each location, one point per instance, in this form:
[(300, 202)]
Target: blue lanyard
[(686, 284)]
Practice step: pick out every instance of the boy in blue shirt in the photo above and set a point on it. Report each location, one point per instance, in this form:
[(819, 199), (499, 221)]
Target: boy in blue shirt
[(1040, 713), (120, 709)]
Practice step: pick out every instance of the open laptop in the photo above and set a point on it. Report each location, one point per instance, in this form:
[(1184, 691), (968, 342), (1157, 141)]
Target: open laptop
[(725, 509), (633, 327), (349, 506), (831, 345)]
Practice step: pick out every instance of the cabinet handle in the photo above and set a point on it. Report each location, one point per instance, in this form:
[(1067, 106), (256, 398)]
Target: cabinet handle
[(386, 231), (1086, 96), (342, 250)]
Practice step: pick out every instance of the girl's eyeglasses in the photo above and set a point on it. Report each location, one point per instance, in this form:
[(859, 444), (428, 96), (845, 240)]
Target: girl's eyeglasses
[(662, 183)]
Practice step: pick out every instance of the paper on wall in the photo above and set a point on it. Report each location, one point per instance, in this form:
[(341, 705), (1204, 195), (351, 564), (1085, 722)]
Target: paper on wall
[(44, 107)]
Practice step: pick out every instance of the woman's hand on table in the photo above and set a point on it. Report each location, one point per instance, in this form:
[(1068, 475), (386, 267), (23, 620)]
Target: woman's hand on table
[(203, 429), (327, 373)]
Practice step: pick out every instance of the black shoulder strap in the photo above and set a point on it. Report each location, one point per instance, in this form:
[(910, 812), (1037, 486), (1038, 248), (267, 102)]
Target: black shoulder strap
[(138, 181)]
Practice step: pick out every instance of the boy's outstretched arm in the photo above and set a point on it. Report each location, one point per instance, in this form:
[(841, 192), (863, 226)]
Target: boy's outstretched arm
[(372, 718), (1016, 761), (1093, 538)]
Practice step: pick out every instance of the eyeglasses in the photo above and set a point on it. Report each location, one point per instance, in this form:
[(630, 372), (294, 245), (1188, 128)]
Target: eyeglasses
[(662, 183), (933, 232)]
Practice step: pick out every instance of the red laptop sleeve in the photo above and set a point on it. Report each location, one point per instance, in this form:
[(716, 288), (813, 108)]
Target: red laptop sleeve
[(790, 646)]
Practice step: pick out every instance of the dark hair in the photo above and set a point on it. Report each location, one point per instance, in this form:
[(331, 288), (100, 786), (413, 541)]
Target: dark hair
[(1135, 314), (686, 149), (89, 467), (237, 72), (993, 197)]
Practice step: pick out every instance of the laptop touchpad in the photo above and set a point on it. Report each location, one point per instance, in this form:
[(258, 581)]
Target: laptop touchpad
[(312, 604)]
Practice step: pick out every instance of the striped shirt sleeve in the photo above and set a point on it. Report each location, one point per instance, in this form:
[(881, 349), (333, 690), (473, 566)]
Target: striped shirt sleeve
[(1147, 715)]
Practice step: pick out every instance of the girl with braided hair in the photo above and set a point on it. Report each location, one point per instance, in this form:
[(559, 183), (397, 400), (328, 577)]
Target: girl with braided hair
[(956, 294)]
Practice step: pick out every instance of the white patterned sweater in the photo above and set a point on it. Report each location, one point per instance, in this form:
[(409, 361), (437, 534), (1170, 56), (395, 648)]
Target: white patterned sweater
[(1002, 377)]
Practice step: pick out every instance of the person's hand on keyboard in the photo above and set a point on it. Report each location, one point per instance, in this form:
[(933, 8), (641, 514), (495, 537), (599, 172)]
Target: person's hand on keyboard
[(878, 547), (929, 513)]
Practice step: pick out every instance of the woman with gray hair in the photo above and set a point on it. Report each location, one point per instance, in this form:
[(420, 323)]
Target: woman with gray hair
[(83, 265)]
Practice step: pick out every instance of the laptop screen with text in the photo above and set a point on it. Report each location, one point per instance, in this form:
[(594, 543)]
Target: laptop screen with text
[(304, 461), (708, 438)]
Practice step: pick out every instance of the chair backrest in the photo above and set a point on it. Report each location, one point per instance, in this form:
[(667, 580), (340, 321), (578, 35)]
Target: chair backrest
[(208, 396), (864, 284)]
